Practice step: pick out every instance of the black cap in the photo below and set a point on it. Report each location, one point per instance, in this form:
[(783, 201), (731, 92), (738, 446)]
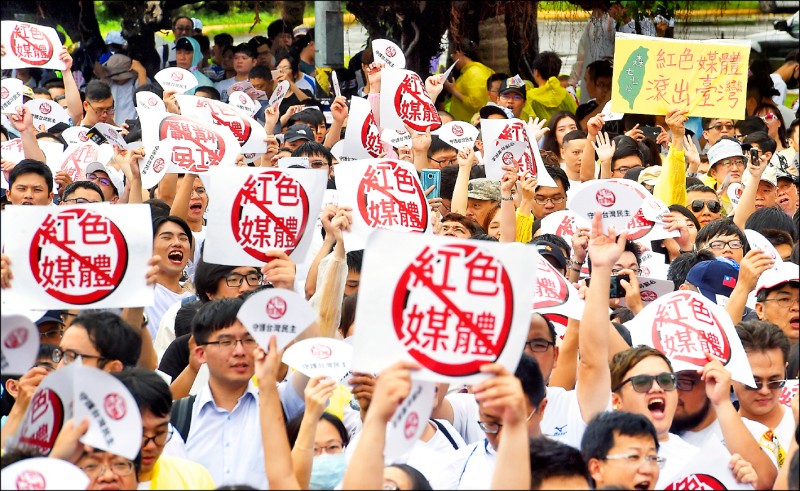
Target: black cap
[(50, 316), (298, 132), (784, 174), (492, 108), (548, 249), (514, 84), (184, 44)]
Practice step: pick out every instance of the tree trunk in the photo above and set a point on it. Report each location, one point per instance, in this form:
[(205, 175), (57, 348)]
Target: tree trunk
[(139, 24), (292, 11)]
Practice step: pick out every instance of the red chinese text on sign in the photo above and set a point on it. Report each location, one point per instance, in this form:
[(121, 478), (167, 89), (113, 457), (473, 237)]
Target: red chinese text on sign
[(683, 329), (449, 329), (370, 136), (203, 147), (697, 481), (78, 256), (389, 196), (31, 479), (551, 287), (42, 421), (414, 106), (31, 45), (271, 211)]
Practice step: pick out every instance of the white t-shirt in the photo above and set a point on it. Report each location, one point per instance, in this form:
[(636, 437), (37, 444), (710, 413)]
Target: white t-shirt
[(223, 87), (775, 442), (562, 420), (163, 299), (678, 454), (471, 467), (698, 438), (780, 85)]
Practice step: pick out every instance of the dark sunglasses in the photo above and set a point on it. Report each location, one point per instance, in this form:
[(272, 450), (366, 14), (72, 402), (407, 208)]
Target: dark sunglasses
[(713, 205), (643, 383)]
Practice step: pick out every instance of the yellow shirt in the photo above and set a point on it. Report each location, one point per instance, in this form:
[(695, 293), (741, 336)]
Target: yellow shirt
[(671, 185), (551, 98), (524, 227), (177, 473), (472, 86)]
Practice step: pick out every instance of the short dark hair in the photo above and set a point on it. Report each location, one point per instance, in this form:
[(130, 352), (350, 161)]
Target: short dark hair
[(244, 48), (602, 68), (97, 90), (206, 277), (437, 145), (558, 174), (573, 135), (548, 64), (312, 148), (159, 221), (214, 316), (759, 336), (750, 124), (294, 62), (714, 228), (176, 19), (279, 26), (626, 147), (158, 208), (531, 378), (702, 188), (309, 116), (71, 187), (680, 266), (624, 361), (495, 77), (260, 71), (212, 92), (599, 435), (203, 41), (113, 338), (472, 226), (771, 218), (31, 166), (293, 427), (551, 458), (354, 260), (418, 479), (52, 136), (448, 175), (551, 328), (763, 140), (223, 39), (149, 390), (150, 87)]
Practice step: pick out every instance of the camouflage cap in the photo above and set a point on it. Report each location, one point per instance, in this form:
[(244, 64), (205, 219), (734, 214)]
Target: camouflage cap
[(484, 188)]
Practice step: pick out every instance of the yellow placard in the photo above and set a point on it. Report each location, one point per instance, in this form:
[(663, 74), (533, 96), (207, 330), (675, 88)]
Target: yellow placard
[(653, 75)]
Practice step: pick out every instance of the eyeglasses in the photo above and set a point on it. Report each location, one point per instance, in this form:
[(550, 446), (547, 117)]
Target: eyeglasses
[(54, 334), (79, 201), (490, 427), (317, 164), (623, 169), (235, 279), (229, 344), (389, 485), (722, 126), (714, 206), (636, 460), (329, 449), (617, 271), (119, 467), (160, 439), (686, 384), (718, 245), (183, 28), (768, 117), (734, 162), (643, 383), (544, 201), (70, 355), (103, 111), (450, 161), (515, 97), (539, 345), (105, 181), (771, 385), (784, 302), (201, 191)]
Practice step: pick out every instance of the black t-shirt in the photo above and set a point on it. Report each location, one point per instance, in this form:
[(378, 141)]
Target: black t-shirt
[(176, 357)]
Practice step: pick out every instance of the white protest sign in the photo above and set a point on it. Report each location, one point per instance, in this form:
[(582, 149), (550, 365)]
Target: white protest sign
[(288, 162), (320, 357), (653, 265), (105, 133), (157, 162), (554, 294), (53, 156), (409, 420), (12, 150), (362, 138), (734, 192), (243, 102), (249, 134), (46, 112), (759, 242), (709, 471), (683, 325), (259, 209), (404, 101), (608, 115), (20, 344), (506, 141), (50, 407), (564, 223), (149, 100), (78, 156), (176, 79), (75, 135), (617, 202), (789, 392), (337, 91), (275, 311), (10, 95), (338, 149), (650, 289), (79, 256), (383, 193), (458, 134), (113, 414), (449, 304), (203, 145), (449, 71), (278, 94), (388, 53), (30, 45), (396, 138), (44, 473), (246, 87)]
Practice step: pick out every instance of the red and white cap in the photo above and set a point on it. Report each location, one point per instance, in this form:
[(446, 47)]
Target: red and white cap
[(786, 272)]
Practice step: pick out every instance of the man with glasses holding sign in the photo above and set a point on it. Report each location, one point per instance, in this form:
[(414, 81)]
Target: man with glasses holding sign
[(98, 106)]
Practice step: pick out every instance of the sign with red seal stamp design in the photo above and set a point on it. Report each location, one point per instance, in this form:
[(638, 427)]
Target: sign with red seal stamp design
[(30, 45)]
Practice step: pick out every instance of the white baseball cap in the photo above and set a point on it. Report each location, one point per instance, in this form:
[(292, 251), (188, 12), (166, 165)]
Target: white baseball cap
[(198, 24), (786, 272), (116, 176), (723, 149)]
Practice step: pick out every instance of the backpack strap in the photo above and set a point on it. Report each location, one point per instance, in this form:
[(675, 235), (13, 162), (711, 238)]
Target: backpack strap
[(181, 417), (446, 433)]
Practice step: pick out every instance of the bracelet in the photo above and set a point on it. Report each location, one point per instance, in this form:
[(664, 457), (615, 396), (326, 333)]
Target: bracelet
[(691, 174), (573, 268), (503, 198)]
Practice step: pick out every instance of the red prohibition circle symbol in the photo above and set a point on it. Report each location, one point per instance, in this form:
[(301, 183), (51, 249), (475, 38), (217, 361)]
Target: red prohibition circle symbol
[(43, 424), (457, 130), (697, 481), (276, 307), (648, 295), (115, 407), (321, 351), (45, 108), (403, 305), (31, 479), (31, 45), (557, 292), (158, 165), (390, 51), (605, 198), (213, 148), (4, 92), (56, 240), (411, 425), (420, 218), (152, 101), (405, 93), (177, 76), (16, 338)]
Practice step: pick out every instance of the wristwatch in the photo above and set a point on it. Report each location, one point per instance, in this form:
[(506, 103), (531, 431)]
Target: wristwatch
[(503, 198)]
